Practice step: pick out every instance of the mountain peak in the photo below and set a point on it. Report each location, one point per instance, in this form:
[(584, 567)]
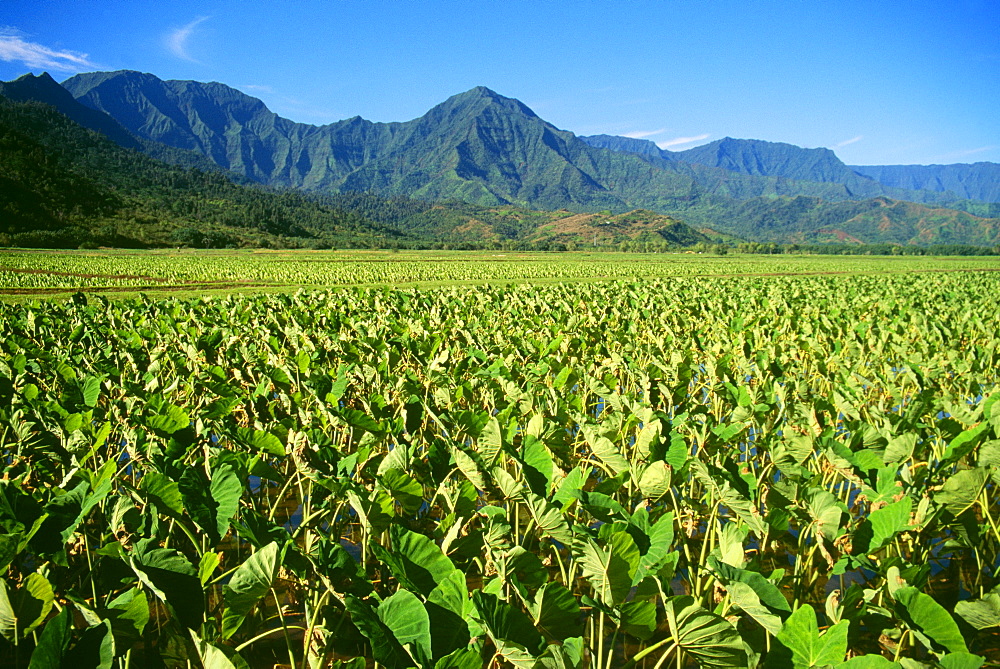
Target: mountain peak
[(30, 86), (483, 91), (480, 98), (44, 77), (43, 88)]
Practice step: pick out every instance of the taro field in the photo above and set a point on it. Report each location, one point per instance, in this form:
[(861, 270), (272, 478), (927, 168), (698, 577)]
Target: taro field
[(673, 471)]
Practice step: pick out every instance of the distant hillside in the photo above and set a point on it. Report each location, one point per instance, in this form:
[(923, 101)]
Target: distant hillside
[(62, 185), (481, 149), (873, 221), (478, 147), (978, 181), (751, 156), (639, 226), (965, 187)]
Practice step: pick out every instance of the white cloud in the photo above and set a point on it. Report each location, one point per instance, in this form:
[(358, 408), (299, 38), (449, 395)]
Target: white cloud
[(14, 48), (176, 40), (678, 141), (640, 134), (852, 140), (260, 88), (958, 155)]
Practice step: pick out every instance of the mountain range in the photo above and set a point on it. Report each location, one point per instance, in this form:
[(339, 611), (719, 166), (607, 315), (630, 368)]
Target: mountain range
[(926, 183), (485, 149)]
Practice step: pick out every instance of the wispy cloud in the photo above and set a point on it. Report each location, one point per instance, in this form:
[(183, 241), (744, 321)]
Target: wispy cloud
[(177, 39), (16, 48), (679, 141), (958, 155), (258, 88), (846, 142), (641, 134)]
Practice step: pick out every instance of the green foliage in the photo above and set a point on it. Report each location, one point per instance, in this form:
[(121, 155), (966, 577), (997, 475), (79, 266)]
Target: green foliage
[(482, 148), (521, 474), (63, 184)]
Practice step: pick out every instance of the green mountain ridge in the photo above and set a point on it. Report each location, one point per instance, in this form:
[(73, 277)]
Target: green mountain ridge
[(62, 185), (965, 187), (975, 181), (477, 146), (494, 153)]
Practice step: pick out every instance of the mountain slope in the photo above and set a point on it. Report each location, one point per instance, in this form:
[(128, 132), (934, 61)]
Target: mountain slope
[(976, 181), (965, 187), (43, 88), (61, 184), (482, 148), (477, 146), (750, 156)]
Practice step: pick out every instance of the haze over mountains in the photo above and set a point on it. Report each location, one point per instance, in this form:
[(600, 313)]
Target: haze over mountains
[(482, 148)]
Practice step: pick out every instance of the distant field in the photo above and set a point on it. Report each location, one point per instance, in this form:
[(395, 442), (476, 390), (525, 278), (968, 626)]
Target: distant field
[(26, 273)]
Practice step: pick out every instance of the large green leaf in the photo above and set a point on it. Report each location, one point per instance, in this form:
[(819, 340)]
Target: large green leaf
[(638, 618), (54, 642), (549, 518), (463, 658), (449, 629), (386, 650), (556, 612), (660, 537), (249, 583), (490, 443), (609, 569), (729, 496), (900, 448), (259, 440), (407, 619), (415, 560), (929, 619), (605, 451), (567, 655), (536, 465), (964, 443), (743, 596), (470, 466), (654, 482), (961, 661), (881, 526), (226, 489), (211, 656), (163, 492), (96, 647), (766, 592), (26, 608), (808, 648), (983, 613), (172, 578), (512, 632), (404, 489), (128, 614), (961, 490), (173, 418), (708, 638)]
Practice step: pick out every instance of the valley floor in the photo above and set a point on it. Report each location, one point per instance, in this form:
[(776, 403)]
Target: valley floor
[(27, 274)]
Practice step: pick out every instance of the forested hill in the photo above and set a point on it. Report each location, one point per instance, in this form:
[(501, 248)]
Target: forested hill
[(490, 157), (976, 181), (478, 147), (965, 187), (63, 184)]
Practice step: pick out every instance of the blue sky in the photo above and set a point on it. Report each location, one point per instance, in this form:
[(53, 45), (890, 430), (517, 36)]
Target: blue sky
[(893, 82)]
